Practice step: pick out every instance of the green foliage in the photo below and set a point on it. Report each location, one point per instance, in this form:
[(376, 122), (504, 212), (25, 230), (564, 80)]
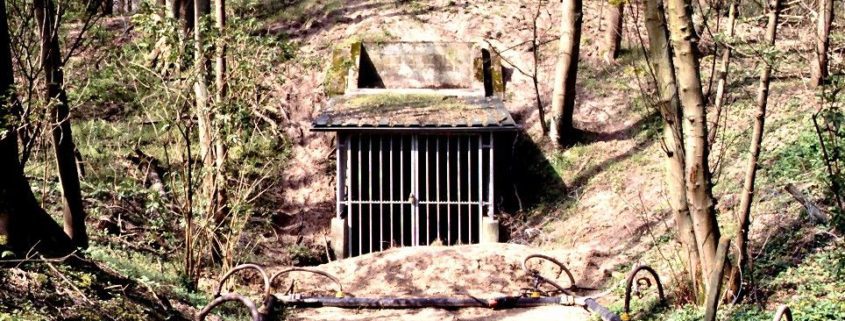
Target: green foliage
[(304, 256), (817, 285)]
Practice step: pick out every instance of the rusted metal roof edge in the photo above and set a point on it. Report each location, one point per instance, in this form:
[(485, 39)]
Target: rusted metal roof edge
[(439, 129)]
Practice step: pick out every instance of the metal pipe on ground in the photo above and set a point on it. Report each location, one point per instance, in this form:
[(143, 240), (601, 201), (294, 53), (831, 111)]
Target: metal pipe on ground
[(507, 302)]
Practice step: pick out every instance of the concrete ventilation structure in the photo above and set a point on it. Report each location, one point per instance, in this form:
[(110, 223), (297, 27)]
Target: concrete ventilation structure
[(416, 127)]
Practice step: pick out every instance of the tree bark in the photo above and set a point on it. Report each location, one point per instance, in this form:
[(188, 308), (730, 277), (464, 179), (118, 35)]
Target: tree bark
[(51, 62), (715, 280), (744, 263), (723, 73), (24, 225), (613, 34), (108, 7), (670, 108), (697, 172), (187, 16), (820, 64), (566, 72), (220, 73)]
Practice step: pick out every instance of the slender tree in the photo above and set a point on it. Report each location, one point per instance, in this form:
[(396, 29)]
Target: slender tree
[(24, 225), (820, 64), (696, 149), (613, 33), (51, 63), (670, 108), (566, 72), (220, 73), (747, 197), (719, 100)]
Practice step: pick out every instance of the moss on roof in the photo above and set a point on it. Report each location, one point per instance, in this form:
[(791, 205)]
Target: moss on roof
[(413, 109)]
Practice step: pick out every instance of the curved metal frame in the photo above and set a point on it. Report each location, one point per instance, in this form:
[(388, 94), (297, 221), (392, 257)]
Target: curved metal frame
[(630, 282), (537, 276), (240, 268), (296, 269), (783, 311), (253, 310)]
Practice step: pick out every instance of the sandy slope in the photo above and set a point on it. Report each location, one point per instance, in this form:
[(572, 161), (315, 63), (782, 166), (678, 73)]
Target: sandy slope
[(481, 271)]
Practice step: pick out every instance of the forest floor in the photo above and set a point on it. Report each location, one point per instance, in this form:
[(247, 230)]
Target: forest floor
[(600, 205)]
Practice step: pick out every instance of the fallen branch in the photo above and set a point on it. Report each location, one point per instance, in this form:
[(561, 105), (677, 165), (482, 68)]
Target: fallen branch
[(813, 210), (64, 278)]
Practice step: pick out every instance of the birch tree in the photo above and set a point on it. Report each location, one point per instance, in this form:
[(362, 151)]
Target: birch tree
[(566, 71)]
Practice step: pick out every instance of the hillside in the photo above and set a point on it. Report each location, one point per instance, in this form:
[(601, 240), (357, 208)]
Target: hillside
[(600, 205)]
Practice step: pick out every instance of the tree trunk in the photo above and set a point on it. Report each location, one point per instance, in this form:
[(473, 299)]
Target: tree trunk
[(670, 108), (743, 263), (715, 280), (613, 34), (23, 223), (51, 62), (697, 172), (186, 15), (566, 72), (220, 73), (820, 64), (723, 73), (108, 7)]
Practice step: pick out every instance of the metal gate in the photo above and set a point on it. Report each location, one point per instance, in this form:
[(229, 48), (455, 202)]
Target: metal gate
[(413, 189)]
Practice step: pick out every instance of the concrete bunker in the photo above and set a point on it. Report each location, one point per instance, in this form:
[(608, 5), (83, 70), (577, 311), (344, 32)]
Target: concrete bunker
[(416, 125)]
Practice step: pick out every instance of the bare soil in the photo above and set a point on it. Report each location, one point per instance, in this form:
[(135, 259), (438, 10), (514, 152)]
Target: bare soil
[(477, 271)]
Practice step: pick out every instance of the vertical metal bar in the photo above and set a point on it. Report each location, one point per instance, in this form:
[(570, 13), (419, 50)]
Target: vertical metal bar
[(427, 194), (458, 152), (448, 190), (360, 199), (415, 235), (491, 206), (339, 171), (402, 190), (480, 183), (348, 186), (381, 193), (437, 181), (392, 238), (469, 189), (370, 188)]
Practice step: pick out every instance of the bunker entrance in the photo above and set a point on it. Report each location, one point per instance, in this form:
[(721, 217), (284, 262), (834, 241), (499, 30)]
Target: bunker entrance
[(415, 189), (415, 131)]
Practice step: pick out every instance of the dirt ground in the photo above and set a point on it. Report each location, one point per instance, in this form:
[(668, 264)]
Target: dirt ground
[(481, 271)]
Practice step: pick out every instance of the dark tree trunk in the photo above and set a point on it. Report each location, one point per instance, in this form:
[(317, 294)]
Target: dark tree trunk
[(51, 62), (23, 224)]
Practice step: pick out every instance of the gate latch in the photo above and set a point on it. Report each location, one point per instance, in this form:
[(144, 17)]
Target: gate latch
[(412, 199)]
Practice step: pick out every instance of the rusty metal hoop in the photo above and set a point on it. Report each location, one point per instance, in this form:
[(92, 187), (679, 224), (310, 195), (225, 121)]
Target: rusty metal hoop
[(783, 311), (536, 274), (297, 269), (253, 311), (630, 282), (240, 268)]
